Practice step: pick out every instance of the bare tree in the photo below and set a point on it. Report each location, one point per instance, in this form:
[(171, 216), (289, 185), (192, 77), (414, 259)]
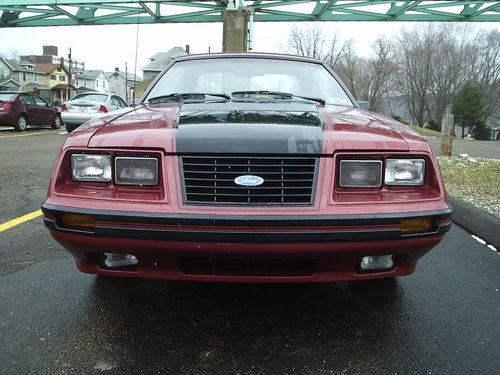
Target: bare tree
[(448, 67), (367, 78), (378, 73), (307, 41), (349, 69), (414, 57), (11, 54), (311, 41), (483, 60)]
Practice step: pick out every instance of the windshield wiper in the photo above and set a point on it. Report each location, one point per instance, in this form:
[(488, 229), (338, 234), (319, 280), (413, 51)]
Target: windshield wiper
[(180, 96), (283, 95)]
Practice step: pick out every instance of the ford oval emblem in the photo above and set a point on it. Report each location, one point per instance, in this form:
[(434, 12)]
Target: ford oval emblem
[(248, 180)]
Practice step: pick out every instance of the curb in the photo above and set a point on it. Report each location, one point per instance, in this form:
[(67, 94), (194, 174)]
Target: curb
[(476, 221)]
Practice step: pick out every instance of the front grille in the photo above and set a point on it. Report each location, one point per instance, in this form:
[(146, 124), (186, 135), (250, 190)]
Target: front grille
[(248, 267), (210, 180)]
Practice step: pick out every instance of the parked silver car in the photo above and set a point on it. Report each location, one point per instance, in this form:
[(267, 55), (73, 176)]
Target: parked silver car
[(88, 105)]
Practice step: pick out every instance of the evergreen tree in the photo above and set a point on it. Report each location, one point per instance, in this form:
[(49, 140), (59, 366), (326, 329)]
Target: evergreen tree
[(469, 110)]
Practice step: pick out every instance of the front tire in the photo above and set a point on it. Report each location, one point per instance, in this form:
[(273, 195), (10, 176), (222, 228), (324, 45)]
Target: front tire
[(70, 127), (56, 123), (21, 123)]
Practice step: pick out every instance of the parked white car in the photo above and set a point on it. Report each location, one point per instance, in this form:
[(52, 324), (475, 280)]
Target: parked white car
[(88, 105)]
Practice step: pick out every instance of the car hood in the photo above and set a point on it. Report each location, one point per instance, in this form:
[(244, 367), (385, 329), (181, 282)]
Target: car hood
[(248, 127)]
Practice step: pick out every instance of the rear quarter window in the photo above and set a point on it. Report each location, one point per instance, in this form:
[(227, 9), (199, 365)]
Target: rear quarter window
[(7, 97)]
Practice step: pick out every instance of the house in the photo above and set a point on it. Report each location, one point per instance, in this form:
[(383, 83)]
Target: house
[(7, 82), (160, 61), (23, 76), (50, 56), (56, 78), (122, 84), (91, 80), (157, 63)]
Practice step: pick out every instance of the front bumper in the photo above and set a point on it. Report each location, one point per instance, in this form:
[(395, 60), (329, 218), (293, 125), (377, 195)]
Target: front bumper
[(239, 248)]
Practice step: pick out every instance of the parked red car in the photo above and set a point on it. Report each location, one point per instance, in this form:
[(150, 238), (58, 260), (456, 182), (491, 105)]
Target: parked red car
[(20, 109), (247, 168)]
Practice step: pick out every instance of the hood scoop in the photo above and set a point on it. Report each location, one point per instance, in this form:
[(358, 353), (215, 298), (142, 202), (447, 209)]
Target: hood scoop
[(249, 127)]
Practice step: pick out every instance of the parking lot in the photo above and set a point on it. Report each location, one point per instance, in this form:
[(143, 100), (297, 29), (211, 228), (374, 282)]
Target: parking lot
[(441, 320)]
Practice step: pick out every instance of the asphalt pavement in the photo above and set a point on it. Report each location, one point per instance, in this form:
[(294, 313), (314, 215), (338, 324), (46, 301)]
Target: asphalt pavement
[(441, 320), (444, 319)]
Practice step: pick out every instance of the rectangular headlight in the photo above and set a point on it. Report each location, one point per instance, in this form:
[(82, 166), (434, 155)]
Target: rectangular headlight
[(85, 167), (360, 173), (404, 171), (136, 171)]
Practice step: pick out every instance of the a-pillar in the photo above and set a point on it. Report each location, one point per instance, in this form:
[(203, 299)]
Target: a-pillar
[(235, 30)]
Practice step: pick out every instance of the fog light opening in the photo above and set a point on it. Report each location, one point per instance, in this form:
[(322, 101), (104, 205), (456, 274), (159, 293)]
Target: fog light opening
[(377, 263), (117, 260)]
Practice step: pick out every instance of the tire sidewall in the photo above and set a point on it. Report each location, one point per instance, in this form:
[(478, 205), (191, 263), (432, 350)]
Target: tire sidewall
[(21, 128), (57, 122)]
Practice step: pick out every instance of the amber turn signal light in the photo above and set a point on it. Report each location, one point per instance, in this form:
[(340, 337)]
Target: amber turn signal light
[(77, 221), (418, 225)]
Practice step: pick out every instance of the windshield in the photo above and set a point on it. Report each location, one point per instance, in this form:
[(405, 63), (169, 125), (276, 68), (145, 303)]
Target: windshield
[(91, 96), (7, 97), (229, 75)]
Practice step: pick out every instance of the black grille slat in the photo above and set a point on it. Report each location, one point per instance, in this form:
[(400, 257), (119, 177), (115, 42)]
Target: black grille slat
[(210, 180)]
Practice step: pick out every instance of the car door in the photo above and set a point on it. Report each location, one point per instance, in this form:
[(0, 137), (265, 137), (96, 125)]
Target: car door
[(45, 112), (30, 108)]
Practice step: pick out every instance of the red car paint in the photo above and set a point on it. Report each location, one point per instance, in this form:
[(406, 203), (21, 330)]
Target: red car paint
[(323, 241)]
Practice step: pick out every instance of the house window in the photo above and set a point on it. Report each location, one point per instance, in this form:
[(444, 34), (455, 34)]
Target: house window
[(24, 77), (85, 83), (62, 78), (59, 69), (35, 77), (53, 77)]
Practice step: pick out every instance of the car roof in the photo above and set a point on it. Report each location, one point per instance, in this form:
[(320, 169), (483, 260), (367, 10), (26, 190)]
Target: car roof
[(262, 55)]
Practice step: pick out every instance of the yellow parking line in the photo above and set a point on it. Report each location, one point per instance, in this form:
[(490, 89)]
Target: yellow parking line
[(20, 220), (23, 135)]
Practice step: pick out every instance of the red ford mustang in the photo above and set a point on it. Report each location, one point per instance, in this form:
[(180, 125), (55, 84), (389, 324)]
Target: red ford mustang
[(247, 168)]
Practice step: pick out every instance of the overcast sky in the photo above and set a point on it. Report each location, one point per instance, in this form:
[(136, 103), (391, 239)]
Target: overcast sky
[(107, 47)]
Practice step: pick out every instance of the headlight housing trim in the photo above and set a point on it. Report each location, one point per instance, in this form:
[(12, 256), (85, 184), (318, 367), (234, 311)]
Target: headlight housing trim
[(414, 172), (349, 181), (91, 167)]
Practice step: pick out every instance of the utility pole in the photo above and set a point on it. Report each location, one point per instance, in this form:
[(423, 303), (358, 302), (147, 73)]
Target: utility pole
[(69, 73), (126, 82)]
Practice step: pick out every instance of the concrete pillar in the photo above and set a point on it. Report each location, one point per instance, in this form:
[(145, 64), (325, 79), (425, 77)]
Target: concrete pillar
[(447, 133), (235, 30)]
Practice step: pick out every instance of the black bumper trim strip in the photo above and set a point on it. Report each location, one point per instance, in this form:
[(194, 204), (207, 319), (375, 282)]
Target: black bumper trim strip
[(247, 221), (248, 237)]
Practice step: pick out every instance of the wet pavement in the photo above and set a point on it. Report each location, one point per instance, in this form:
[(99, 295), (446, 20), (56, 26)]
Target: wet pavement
[(444, 319)]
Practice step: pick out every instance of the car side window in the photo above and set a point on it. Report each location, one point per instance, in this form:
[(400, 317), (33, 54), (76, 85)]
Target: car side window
[(27, 99), (40, 102), (122, 102), (117, 102)]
